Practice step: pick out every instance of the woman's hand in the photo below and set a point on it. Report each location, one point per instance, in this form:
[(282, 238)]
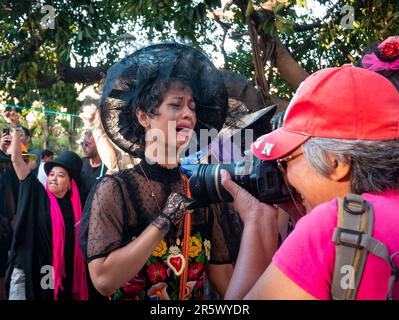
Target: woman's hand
[(173, 212), (90, 116), (12, 117)]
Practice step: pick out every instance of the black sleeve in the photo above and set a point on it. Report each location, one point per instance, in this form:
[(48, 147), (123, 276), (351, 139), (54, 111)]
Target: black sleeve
[(219, 249), (32, 206), (103, 219)]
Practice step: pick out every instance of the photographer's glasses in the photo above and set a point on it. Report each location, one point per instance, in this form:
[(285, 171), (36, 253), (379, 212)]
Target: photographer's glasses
[(282, 163)]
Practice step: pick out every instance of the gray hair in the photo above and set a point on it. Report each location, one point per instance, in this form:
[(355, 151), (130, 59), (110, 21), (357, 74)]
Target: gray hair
[(374, 163)]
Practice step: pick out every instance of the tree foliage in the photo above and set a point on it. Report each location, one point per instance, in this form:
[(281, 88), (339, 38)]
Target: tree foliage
[(39, 64)]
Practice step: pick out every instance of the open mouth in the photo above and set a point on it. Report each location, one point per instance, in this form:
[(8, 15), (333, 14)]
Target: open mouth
[(183, 131)]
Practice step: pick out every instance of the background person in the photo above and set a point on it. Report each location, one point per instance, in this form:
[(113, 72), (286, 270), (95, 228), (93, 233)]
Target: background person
[(47, 223), (92, 166), (46, 155)]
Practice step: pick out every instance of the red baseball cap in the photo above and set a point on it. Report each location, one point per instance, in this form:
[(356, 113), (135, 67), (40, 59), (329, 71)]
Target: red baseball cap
[(339, 103)]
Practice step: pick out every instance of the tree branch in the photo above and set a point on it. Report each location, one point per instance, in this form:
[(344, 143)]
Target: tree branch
[(288, 68), (72, 75), (307, 27)]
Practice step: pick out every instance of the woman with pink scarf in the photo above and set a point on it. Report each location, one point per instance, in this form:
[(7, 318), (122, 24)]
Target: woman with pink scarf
[(46, 261)]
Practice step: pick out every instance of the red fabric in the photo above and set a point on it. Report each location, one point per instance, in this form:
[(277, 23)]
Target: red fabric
[(79, 285), (389, 48), (342, 103)]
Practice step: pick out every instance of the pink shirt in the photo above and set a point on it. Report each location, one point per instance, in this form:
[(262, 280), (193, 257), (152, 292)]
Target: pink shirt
[(307, 255)]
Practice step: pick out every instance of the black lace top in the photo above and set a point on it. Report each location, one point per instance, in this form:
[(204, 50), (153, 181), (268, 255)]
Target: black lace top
[(121, 206)]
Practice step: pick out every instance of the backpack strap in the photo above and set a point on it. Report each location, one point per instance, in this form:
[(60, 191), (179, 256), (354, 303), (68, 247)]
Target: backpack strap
[(355, 217), (353, 239)]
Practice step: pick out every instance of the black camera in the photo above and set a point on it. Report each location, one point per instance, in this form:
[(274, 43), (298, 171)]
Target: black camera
[(6, 131), (262, 179)]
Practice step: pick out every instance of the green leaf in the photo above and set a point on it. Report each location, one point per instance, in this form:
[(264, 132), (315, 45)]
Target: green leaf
[(250, 8), (87, 33), (301, 3), (278, 7), (281, 26), (201, 257)]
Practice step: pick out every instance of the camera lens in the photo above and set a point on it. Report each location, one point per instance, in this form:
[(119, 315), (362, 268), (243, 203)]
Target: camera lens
[(260, 178), (205, 182)]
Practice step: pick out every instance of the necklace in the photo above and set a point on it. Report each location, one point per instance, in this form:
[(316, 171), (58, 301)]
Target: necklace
[(152, 191), (177, 260)]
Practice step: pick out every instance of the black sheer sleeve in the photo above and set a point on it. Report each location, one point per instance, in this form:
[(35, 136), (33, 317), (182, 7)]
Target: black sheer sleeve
[(219, 250), (104, 219)]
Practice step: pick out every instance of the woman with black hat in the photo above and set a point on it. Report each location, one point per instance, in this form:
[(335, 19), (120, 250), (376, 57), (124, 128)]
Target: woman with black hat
[(140, 240), (46, 261)]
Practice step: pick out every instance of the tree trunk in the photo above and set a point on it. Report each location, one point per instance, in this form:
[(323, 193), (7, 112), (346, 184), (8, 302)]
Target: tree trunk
[(288, 68)]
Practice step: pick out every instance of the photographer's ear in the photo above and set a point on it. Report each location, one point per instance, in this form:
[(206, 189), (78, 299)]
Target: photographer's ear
[(341, 169)]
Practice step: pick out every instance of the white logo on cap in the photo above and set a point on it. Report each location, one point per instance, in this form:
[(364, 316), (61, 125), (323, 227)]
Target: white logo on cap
[(267, 149), (257, 143)]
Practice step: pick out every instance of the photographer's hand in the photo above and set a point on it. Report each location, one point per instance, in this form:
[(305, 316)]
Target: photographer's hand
[(244, 203), (173, 212), (259, 238)]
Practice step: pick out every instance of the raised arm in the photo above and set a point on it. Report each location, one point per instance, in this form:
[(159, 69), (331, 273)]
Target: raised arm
[(20, 166), (106, 150)]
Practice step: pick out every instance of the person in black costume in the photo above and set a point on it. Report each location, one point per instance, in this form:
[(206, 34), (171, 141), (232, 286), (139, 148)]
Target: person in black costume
[(9, 186), (140, 239), (46, 261)]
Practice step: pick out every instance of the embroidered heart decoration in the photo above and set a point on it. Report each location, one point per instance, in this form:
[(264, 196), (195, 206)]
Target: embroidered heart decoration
[(177, 263)]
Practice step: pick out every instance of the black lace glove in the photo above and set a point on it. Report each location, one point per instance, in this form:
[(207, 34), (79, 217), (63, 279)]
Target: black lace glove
[(173, 212)]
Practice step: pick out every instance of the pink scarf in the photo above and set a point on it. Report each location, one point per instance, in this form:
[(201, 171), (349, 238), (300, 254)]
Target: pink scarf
[(79, 285)]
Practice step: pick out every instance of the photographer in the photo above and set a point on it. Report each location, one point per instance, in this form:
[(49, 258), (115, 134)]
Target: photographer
[(340, 135)]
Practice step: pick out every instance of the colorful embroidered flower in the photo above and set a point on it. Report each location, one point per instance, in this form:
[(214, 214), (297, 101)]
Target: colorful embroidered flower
[(195, 247), (195, 270), (135, 285), (158, 291), (156, 272), (160, 250), (200, 281), (190, 285), (174, 250), (207, 245)]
